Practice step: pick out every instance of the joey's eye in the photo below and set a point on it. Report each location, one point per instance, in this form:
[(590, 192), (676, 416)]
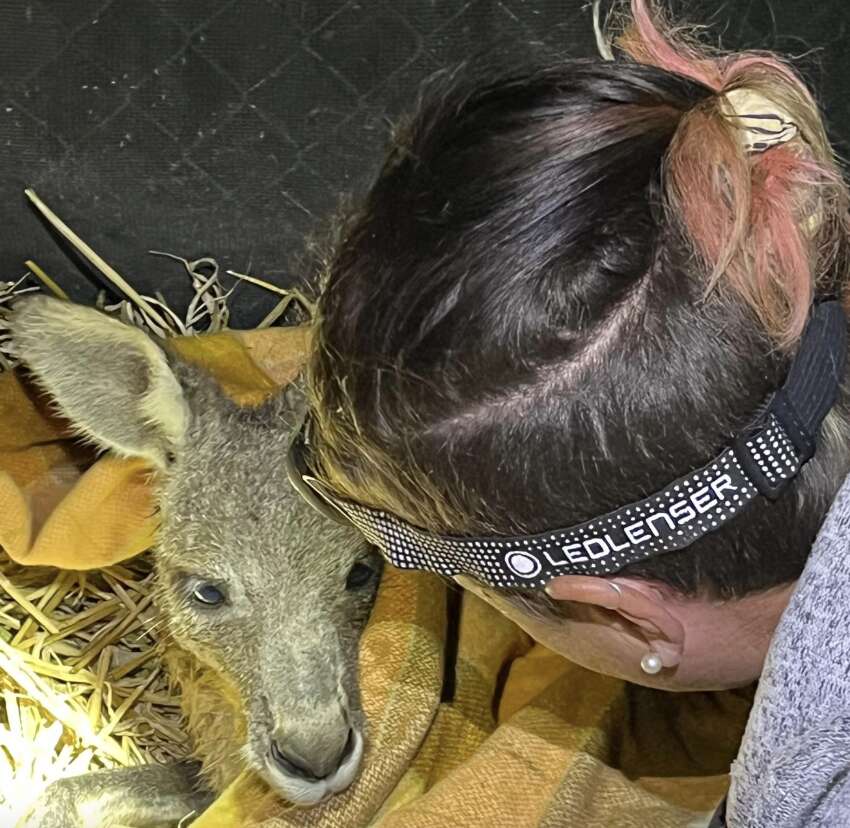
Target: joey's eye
[(208, 594), (359, 575)]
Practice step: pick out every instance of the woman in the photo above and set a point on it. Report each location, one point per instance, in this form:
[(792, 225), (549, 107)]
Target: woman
[(569, 300)]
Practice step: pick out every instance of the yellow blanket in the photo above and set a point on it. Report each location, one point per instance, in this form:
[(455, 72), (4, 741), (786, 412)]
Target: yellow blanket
[(528, 739)]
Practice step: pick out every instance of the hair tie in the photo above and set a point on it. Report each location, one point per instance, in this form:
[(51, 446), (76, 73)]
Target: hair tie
[(761, 123)]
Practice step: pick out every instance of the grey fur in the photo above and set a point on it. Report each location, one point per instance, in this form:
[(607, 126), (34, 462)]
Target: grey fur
[(279, 661)]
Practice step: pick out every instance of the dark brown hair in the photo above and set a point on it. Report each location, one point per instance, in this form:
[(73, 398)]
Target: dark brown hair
[(570, 285)]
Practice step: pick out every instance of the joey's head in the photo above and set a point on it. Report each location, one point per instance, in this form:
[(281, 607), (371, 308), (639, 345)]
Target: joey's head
[(263, 590)]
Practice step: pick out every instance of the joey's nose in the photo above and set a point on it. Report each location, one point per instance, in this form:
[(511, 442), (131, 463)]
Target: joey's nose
[(311, 765)]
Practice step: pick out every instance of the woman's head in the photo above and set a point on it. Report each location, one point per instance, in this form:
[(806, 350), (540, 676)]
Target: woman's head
[(571, 284)]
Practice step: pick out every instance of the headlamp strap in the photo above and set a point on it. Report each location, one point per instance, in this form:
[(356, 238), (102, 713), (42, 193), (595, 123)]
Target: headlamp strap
[(800, 405), (760, 461)]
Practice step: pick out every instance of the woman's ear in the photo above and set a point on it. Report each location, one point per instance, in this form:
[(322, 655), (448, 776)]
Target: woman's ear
[(647, 608), (108, 379)]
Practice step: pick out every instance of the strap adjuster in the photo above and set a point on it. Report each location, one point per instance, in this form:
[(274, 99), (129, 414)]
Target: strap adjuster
[(768, 473)]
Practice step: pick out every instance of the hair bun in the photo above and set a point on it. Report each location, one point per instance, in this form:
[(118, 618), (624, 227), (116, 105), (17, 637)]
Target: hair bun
[(750, 175)]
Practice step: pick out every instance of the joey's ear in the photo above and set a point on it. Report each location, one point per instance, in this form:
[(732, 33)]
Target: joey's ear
[(109, 379)]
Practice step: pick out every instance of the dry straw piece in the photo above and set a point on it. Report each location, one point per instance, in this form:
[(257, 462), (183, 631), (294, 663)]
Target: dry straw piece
[(80, 677)]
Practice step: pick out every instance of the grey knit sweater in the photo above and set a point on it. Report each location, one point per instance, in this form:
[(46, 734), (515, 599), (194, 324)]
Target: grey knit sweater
[(793, 769)]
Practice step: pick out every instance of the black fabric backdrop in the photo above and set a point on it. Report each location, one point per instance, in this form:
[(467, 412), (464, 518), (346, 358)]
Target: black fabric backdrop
[(230, 127)]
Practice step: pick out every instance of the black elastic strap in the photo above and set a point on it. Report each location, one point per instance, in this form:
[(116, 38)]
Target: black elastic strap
[(814, 379), (807, 395)]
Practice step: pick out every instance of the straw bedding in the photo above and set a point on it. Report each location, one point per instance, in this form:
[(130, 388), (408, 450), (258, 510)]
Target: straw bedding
[(81, 681)]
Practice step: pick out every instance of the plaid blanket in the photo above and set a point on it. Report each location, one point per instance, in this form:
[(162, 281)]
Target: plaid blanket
[(517, 737)]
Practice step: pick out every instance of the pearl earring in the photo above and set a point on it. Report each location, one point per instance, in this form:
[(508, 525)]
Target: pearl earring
[(651, 663)]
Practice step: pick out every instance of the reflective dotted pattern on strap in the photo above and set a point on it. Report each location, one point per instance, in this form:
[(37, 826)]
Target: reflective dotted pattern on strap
[(693, 506), (774, 454)]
